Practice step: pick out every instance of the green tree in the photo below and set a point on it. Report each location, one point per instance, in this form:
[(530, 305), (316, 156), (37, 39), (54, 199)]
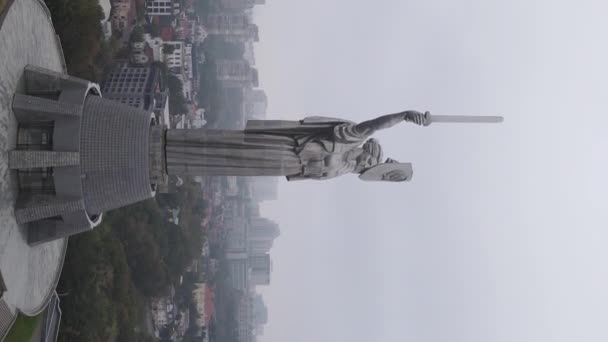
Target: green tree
[(78, 24), (177, 102), (137, 35), (168, 49)]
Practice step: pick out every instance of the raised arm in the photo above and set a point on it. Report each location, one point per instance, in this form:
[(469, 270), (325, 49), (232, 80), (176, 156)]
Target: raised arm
[(369, 127)]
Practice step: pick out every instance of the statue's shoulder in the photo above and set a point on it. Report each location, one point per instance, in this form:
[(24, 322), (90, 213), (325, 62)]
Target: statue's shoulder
[(324, 119)]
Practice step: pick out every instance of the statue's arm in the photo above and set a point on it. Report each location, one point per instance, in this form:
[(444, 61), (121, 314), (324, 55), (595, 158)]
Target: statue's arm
[(369, 127)]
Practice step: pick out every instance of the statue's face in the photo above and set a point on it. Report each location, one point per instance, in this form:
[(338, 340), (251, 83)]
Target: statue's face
[(371, 154), (365, 160)]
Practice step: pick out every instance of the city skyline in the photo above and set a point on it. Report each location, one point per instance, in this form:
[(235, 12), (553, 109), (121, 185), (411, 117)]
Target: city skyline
[(499, 236)]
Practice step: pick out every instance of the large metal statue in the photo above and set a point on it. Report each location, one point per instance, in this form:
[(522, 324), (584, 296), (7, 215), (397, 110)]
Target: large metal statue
[(313, 148)]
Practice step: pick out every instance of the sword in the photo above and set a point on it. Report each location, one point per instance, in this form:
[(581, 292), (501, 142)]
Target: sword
[(463, 119)]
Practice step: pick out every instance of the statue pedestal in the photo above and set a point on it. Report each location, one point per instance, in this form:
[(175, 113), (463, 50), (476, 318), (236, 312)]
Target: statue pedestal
[(30, 273)]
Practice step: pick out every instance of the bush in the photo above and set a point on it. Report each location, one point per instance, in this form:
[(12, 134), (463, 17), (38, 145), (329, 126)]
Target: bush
[(78, 24)]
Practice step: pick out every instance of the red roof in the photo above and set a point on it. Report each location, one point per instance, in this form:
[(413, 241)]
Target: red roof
[(166, 33), (149, 52), (209, 304)]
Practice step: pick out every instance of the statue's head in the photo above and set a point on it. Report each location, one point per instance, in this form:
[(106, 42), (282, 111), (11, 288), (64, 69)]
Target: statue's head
[(370, 156), (389, 171)]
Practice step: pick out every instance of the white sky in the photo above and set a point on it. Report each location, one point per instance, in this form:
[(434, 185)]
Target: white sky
[(106, 6), (502, 234)]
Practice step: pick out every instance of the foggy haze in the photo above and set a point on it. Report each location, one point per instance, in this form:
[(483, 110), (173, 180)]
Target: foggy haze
[(501, 234)]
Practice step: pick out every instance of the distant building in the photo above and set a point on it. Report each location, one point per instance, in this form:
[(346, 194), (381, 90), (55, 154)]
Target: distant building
[(236, 27), (136, 86), (188, 67), (236, 73), (260, 311), (236, 240), (260, 269), (142, 53), (239, 274), (255, 104), (159, 7), (244, 319), (175, 58), (238, 5), (121, 15), (261, 235), (264, 188), (204, 299), (163, 312)]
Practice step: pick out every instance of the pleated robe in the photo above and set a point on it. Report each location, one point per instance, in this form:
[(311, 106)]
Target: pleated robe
[(314, 148)]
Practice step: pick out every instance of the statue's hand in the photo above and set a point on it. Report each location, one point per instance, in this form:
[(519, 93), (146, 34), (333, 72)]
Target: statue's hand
[(421, 119)]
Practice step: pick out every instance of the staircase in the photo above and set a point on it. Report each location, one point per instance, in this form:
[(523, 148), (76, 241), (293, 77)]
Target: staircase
[(6, 319)]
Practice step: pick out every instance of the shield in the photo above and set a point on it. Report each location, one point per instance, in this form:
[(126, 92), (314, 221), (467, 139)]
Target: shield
[(391, 172)]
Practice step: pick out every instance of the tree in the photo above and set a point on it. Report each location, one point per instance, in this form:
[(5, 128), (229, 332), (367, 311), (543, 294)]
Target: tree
[(168, 49), (153, 30), (177, 102), (137, 35), (78, 24)]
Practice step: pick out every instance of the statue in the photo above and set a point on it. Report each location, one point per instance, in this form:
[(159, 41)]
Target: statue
[(313, 148)]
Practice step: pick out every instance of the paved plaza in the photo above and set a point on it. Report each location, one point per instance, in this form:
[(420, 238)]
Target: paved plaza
[(30, 273)]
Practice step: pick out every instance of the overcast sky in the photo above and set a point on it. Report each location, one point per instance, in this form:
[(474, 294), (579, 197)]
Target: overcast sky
[(502, 235)]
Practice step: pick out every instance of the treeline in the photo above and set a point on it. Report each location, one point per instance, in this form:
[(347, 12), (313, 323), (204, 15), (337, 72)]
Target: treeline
[(99, 300), (78, 25), (133, 255)]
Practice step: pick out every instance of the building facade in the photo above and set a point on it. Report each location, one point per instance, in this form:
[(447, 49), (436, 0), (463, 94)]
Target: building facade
[(260, 269), (159, 7), (174, 54), (138, 86), (236, 27), (236, 73), (121, 15)]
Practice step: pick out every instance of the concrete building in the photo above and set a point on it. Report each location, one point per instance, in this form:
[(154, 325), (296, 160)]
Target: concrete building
[(260, 269), (163, 311), (236, 240), (122, 15), (244, 318), (156, 44), (159, 7), (236, 73), (261, 235), (260, 311), (137, 86), (142, 53), (239, 274), (174, 59), (255, 104), (203, 297), (188, 67), (78, 155), (237, 5), (264, 188), (235, 27), (262, 228)]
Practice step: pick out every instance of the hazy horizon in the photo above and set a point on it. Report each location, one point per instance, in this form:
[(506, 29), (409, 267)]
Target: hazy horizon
[(500, 235)]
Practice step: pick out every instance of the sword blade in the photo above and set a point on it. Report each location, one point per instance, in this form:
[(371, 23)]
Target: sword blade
[(466, 119)]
